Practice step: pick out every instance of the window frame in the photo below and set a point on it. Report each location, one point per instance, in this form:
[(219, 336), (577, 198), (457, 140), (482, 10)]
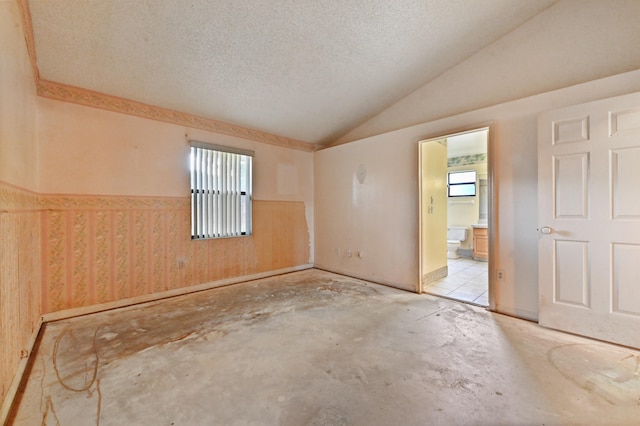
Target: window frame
[(464, 183), (221, 183)]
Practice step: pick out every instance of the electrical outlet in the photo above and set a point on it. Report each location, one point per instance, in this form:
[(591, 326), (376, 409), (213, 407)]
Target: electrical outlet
[(500, 274)]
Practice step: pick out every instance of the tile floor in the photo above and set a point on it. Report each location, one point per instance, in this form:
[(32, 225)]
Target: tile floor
[(468, 281)]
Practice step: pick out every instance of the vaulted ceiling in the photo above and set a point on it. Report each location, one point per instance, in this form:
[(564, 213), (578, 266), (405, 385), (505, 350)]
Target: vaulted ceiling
[(307, 70)]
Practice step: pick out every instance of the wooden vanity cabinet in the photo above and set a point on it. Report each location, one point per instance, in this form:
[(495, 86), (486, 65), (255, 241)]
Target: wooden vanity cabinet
[(481, 243)]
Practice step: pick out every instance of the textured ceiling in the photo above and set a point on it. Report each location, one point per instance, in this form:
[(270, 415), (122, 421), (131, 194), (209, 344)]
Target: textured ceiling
[(304, 69)]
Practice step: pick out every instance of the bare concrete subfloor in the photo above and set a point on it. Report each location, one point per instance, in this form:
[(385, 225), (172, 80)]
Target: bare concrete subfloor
[(315, 348)]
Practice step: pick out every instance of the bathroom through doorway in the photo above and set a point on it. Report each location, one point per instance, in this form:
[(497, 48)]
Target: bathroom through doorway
[(455, 216)]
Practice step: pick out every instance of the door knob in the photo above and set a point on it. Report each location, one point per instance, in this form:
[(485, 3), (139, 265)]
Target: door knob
[(546, 230)]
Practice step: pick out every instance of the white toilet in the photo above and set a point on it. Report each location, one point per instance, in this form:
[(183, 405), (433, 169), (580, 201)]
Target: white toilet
[(455, 236)]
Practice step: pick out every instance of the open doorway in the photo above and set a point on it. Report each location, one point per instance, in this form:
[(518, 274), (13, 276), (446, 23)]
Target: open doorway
[(454, 216)]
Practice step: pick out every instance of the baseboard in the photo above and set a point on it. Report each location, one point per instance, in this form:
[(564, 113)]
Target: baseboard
[(7, 403), (466, 253), (86, 310), (364, 277), (516, 313), (434, 276)]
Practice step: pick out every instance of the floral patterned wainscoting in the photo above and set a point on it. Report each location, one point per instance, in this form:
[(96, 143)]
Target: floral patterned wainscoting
[(101, 249)]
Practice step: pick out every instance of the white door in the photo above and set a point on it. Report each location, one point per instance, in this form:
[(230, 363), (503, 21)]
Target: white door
[(589, 217)]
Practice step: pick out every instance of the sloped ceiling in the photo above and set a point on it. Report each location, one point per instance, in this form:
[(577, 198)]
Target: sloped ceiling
[(307, 70)]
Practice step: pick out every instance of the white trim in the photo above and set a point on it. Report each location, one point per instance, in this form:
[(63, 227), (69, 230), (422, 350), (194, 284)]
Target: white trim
[(222, 148), (7, 403), (516, 313), (86, 310), (374, 280)]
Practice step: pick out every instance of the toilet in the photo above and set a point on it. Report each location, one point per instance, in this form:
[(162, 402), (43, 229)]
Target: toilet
[(455, 236)]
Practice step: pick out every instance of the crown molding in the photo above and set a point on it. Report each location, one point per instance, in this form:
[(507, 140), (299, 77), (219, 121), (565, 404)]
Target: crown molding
[(80, 96), (15, 199), (27, 27), (85, 97)]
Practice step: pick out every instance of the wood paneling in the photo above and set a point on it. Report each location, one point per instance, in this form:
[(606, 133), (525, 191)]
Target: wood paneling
[(60, 252), (19, 277), (102, 249)]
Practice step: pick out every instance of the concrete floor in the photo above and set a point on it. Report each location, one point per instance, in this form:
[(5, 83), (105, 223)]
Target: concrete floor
[(315, 348)]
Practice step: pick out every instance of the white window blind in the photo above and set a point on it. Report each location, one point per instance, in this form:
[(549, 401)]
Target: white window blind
[(220, 191)]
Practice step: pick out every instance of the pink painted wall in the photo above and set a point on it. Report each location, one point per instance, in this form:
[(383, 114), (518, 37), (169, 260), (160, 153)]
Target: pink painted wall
[(115, 193), (94, 205), (91, 151), (19, 217), (381, 217), (18, 105)]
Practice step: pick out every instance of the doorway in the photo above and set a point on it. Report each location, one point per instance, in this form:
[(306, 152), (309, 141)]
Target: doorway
[(455, 200)]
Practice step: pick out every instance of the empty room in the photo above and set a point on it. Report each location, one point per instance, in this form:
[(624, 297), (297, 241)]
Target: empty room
[(268, 212)]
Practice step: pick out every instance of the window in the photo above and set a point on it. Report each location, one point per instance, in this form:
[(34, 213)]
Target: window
[(220, 191), (462, 184)]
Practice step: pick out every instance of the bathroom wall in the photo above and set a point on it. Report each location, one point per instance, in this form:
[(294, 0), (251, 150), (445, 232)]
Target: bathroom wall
[(115, 194), (465, 211), (381, 217), (19, 210), (433, 219)]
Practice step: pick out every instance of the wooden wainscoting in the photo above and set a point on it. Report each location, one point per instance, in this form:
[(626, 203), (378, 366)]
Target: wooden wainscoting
[(19, 280), (62, 252), (103, 249)]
